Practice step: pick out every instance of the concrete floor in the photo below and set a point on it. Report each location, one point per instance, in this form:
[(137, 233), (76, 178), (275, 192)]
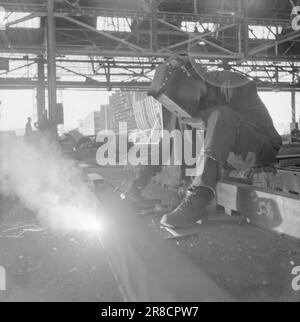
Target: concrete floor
[(48, 266), (248, 263), (235, 261)]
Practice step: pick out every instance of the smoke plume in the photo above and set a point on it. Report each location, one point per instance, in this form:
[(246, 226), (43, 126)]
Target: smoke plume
[(46, 182)]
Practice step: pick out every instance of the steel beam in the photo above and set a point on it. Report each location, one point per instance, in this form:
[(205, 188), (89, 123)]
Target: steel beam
[(263, 47), (79, 51), (293, 101), (41, 88), (154, 44), (18, 83), (245, 27), (29, 17), (192, 37), (51, 64), (103, 33), (146, 53), (201, 37), (25, 83), (115, 12), (195, 7)]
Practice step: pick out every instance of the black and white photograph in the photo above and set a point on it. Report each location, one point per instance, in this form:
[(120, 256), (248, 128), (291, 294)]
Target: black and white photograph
[(149, 154)]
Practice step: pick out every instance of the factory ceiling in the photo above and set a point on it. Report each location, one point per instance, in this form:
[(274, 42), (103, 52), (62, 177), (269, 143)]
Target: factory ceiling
[(122, 41)]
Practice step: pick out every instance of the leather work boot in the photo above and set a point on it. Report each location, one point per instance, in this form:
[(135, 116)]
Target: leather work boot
[(192, 209)]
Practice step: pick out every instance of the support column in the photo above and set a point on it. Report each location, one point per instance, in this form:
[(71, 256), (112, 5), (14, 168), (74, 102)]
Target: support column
[(41, 89), (293, 98), (51, 61), (293, 106), (154, 26), (294, 124), (245, 27), (195, 7), (240, 27)]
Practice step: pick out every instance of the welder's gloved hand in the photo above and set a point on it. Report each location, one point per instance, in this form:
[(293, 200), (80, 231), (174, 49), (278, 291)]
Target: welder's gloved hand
[(130, 190), (195, 123)]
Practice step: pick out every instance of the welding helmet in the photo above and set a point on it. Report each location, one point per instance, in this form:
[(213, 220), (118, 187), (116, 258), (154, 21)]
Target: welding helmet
[(177, 86)]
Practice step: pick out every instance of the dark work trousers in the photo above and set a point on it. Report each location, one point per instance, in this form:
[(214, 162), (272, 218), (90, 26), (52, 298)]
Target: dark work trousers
[(228, 131)]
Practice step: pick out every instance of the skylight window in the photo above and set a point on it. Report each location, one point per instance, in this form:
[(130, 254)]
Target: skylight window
[(114, 24), (34, 23), (263, 32), (192, 26)]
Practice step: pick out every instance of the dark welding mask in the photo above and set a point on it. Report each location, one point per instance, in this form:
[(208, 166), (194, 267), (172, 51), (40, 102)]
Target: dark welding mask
[(177, 89)]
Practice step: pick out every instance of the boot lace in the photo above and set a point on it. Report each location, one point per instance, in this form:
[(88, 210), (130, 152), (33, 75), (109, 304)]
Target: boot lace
[(186, 201)]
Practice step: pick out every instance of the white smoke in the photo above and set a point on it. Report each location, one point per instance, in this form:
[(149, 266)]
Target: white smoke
[(47, 183)]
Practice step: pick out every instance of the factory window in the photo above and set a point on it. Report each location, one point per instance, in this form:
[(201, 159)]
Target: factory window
[(34, 23), (114, 24), (192, 26), (263, 32)]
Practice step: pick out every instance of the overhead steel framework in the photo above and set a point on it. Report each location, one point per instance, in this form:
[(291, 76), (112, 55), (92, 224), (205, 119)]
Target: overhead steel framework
[(219, 33)]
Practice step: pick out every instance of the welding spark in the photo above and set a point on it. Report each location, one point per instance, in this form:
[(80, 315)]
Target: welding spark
[(90, 224), (73, 218)]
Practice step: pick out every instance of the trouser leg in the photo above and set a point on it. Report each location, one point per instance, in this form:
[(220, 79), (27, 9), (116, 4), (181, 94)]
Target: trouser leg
[(227, 132), (222, 127), (147, 172)]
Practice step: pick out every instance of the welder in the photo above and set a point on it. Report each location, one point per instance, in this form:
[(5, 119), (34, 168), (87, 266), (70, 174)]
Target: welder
[(237, 125)]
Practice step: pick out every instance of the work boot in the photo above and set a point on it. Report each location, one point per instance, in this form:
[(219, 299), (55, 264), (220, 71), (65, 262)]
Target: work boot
[(192, 209)]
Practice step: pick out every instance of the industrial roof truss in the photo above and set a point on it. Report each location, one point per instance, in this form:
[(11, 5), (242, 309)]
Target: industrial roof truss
[(118, 43)]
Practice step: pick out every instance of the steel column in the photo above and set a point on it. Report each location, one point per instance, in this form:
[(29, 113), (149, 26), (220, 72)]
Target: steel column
[(195, 7), (245, 28), (293, 92), (41, 89), (293, 99), (106, 34), (51, 60), (154, 26)]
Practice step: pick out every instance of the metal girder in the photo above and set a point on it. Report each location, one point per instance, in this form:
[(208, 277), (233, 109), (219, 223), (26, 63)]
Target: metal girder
[(133, 32), (29, 17), (290, 36), (245, 26), (79, 51), (137, 62), (41, 88), (24, 7), (151, 39), (18, 83), (113, 12), (118, 69), (200, 38), (162, 17), (51, 65), (16, 69), (154, 44), (103, 33)]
